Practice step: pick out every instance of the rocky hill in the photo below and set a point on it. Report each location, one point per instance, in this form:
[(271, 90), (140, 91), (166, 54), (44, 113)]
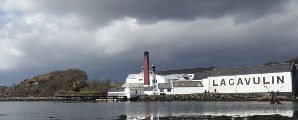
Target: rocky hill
[(69, 81), (3, 88)]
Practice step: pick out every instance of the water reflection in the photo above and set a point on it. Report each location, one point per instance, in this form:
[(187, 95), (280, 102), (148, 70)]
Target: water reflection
[(148, 110), (202, 110), (211, 117), (141, 110)]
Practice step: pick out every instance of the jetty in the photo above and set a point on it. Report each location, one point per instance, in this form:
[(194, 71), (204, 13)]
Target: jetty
[(70, 98), (90, 97)]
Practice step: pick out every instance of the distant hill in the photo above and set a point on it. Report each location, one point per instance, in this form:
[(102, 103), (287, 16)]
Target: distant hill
[(49, 84)]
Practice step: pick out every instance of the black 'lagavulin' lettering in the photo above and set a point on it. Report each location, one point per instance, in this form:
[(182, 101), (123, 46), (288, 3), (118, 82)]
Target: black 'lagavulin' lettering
[(255, 80)]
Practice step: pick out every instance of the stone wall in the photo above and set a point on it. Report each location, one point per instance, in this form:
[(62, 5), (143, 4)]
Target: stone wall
[(213, 97)]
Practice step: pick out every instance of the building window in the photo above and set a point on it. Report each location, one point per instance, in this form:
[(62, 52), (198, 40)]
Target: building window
[(169, 90), (161, 90), (154, 81)]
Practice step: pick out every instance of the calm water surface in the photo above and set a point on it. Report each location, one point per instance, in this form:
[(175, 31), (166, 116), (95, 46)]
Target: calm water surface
[(111, 110)]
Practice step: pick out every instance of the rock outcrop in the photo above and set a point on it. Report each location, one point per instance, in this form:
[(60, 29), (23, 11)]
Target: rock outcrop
[(49, 84)]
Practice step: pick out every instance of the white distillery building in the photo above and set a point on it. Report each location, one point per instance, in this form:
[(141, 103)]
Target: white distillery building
[(168, 82), (280, 78), (160, 82)]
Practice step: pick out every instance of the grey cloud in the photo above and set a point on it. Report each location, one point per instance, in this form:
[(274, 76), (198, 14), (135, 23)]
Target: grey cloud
[(102, 12), (102, 38)]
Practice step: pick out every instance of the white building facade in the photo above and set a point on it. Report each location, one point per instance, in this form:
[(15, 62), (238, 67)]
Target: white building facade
[(280, 78), (172, 82)]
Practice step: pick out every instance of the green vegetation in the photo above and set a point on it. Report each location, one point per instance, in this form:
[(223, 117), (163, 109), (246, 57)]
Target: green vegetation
[(100, 85), (56, 82), (87, 92)]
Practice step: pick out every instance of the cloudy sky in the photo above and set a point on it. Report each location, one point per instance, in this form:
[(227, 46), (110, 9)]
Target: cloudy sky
[(107, 39)]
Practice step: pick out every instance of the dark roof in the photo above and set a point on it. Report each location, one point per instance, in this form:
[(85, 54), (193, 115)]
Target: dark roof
[(187, 84), (164, 85), (150, 88), (202, 75), (184, 71), (119, 89), (273, 68)]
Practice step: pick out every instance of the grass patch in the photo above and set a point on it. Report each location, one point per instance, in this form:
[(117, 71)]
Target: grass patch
[(87, 92)]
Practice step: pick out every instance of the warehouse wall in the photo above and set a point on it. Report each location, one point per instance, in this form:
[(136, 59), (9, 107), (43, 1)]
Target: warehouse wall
[(252, 83)]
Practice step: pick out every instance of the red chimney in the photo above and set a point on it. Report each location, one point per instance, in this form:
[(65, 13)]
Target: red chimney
[(146, 69)]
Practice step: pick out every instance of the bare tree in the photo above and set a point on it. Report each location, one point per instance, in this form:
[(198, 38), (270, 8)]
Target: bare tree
[(295, 60), (271, 62)]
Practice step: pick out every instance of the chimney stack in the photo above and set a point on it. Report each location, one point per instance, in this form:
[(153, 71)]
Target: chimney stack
[(142, 69), (152, 69), (146, 69)]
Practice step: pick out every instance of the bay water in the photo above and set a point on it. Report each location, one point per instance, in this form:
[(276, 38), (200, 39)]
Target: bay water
[(49, 110)]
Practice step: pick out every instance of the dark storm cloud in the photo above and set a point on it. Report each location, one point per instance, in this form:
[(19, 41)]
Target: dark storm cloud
[(150, 11), (107, 38)]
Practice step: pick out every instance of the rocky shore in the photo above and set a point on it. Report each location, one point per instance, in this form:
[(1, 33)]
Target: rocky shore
[(31, 99), (214, 97), (177, 97)]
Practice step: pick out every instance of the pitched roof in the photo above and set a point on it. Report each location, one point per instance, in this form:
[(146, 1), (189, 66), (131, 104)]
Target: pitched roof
[(184, 71), (119, 89), (187, 84), (273, 68), (172, 77), (164, 85), (133, 85), (133, 76), (176, 76), (202, 75), (150, 88)]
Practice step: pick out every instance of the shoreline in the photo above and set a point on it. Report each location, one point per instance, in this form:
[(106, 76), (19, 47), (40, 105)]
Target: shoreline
[(30, 99), (176, 97), (215, 97)]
